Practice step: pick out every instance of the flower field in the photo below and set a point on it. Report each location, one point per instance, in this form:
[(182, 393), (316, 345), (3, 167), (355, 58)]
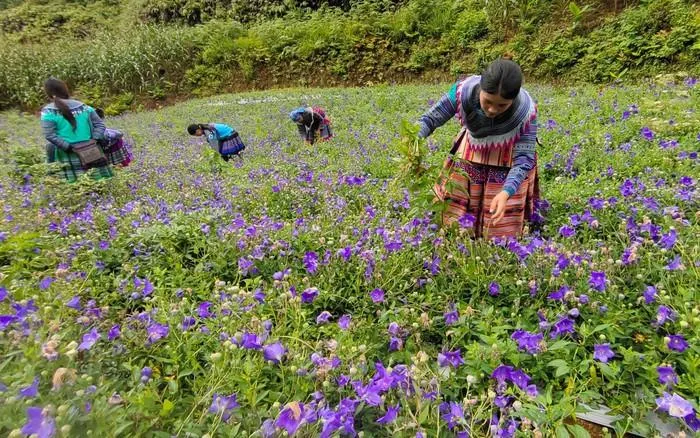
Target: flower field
[(308, 291)]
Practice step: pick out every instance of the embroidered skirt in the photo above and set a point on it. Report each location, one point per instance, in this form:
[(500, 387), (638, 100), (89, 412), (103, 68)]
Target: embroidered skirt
[(71, 168), (468, 189), (118, 153), (231, 146)]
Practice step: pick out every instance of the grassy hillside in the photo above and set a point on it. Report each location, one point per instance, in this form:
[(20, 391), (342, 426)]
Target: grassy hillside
[(119, 53)]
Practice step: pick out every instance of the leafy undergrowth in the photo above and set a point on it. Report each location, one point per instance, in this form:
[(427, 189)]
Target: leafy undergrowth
[(308, 289)]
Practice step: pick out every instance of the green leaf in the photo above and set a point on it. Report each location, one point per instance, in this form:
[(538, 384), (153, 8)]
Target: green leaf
[(562, 371), (168, 406), (562, 432), (557, 363), (578, 431)]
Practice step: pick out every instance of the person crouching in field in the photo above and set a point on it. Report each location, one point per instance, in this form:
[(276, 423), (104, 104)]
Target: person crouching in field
[(222, 138), (490, 177), (312, 124), (115, 147), (72, 130)]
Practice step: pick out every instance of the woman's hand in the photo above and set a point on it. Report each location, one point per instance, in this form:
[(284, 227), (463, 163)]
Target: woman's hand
[(498, 207)]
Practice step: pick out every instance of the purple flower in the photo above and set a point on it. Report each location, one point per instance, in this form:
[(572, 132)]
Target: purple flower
[(451, 316), (394, 329), (466, 221), (597, 281), (675, 264), (3, 293), (503, 401), (677, 343), (250, 341), (390, 415), (529, 342), (674, 405), (30, 391), (156, 332), (502, 373), (39, 424), (309, 295), (223, 405), (650, 294), (450, 358), (377, 296), (344, 322), (187, 323), (89, 339), (563, 326), (146, 373), (664, 314), (274, 352), (519, 378), (291, 417), (204, 310), (494, 289), (583, 299), (395, 344), (74, 303), (667, 376), (627, 188), (452, 413), (603, 353), (45, 283), (647, 133), (559, 294), (323, 317), (311, 262), (566, 231), (668, 240)]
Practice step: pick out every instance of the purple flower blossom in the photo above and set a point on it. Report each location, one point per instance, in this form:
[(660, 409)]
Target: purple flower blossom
[(563, 326), (146, 373), (527, 341), (677, 343), (250, 341), (223, 405), (675, 264), (650, 294), (494, 289), (559, 294), (664, 314), (566, 231), (519, 378), (39, 424), (274, 352), (309, 295), (3, 293), (187, 323), (311, 262), (344, 322), (291, 417), (45, 283), (466, 221), (668, 240), (450, 358), (395, 344), (89, 339), (156, 332), (451, 316), (377, 296), (597, 281), (390, 416), (74, 303), (674, 405), (647, 133), (203, 310), (30, 391), (323, 317), (452, 413), (667, 376), (502, 373), (603, 353)]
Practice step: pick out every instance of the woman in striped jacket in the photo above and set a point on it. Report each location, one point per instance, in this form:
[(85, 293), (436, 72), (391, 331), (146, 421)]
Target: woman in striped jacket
[(490, 178)]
